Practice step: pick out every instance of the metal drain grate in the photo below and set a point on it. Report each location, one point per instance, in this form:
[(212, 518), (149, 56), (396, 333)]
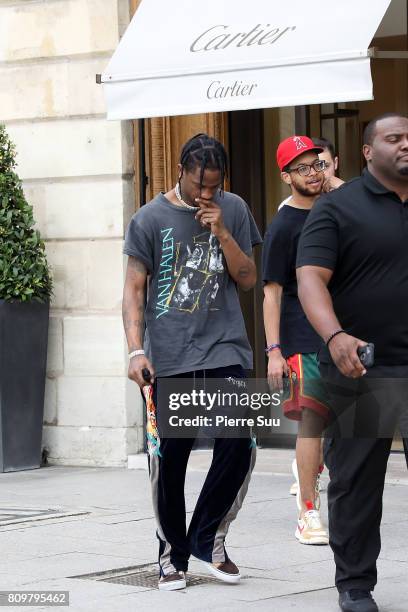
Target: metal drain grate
[(11, 516), (145, 575)]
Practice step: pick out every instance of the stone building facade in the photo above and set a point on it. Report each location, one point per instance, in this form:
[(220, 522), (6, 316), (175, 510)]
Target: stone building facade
[(77, 172), (82, 175)]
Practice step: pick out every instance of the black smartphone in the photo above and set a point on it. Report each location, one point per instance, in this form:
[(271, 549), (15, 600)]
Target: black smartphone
[(146, 375), (366, 355)]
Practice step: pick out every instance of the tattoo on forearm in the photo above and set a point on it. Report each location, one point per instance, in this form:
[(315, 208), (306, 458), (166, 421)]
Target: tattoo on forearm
[(129, 323), (129, 320), (243, 272)]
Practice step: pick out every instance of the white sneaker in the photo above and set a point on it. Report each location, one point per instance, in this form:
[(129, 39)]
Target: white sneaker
[(310, 530), (173, 581), (227, 571)]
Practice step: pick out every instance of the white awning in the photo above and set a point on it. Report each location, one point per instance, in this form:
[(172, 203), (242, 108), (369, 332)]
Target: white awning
[(184, 57)]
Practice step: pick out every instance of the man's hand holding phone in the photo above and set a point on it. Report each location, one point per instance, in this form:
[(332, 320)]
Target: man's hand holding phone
[(277, 370), (138, 366), (352, 356)]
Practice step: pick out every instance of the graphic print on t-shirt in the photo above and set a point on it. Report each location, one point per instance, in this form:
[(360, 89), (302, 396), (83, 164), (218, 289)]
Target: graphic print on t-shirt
[(190, 275)]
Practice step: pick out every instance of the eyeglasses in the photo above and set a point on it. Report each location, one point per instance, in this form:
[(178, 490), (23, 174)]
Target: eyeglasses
[(305, 169)]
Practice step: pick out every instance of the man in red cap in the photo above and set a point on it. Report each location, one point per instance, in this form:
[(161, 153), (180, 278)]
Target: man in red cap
[(292, 343)]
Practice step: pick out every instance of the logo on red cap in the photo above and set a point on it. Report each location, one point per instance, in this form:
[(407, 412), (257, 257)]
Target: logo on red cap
[(299, 143), (292, 147)]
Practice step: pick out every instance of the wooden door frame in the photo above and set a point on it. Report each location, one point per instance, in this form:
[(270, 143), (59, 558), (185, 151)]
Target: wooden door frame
[(248, 181), (133, 5)]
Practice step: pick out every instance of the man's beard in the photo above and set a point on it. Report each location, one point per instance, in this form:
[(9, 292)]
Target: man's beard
[(308, 193), (403, 171)]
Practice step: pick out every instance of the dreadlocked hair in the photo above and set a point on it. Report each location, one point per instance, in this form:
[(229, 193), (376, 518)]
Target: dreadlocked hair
[(205, 152)]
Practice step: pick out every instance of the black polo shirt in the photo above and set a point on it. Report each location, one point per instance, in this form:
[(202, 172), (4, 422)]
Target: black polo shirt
[(360, 231)]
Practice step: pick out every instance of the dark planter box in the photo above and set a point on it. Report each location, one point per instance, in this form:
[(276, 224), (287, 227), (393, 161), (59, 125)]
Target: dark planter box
[(23, 357)]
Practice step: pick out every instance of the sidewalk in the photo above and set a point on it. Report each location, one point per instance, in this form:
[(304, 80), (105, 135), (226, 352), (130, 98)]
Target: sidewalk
[(111, 526)]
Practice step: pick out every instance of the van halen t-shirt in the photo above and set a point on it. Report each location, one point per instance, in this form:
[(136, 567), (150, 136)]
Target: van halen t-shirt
[(279, 266), (193, 315)]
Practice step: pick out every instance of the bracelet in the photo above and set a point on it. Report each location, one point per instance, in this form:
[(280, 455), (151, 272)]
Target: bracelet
[(336, 333), (136, 353), (272, 347)]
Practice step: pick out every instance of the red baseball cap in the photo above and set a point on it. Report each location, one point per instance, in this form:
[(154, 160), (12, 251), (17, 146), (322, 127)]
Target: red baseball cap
[(292, 147)]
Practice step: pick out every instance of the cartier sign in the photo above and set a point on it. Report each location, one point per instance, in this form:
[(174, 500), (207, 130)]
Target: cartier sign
[(220, 37)]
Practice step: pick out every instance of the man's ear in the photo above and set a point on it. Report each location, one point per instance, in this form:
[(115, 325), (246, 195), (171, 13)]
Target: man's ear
[(286, 178), (367, 152), (336, 163), (179, 171)]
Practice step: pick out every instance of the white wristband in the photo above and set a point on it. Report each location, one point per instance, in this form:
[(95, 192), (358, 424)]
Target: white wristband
[(135, 353)]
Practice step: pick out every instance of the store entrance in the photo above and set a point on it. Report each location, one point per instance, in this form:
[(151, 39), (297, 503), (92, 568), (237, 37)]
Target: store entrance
[(254, 136), (246, 147)]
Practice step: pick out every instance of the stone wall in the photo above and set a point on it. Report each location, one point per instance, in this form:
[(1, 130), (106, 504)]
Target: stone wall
[(77, 170)]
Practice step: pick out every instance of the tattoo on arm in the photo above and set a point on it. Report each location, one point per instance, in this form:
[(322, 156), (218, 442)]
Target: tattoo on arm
[(243, 272), (129, 319)]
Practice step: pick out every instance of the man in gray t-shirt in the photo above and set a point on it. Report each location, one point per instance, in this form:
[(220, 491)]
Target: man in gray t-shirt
[(195, 244), (193, 304)]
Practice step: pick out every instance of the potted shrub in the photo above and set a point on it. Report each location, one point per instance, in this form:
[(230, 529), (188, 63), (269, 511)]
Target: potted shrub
[(25, 290)]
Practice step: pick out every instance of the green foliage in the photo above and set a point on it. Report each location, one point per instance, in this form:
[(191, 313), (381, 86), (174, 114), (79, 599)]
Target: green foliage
[(24, 271)]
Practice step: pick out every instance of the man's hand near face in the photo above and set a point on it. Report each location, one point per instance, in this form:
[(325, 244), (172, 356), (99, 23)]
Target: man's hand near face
[(210, 215), (331, 183), (240, 266)]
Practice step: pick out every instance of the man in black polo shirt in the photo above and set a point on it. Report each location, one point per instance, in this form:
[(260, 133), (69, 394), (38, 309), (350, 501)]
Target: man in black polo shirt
[(353, 286)]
